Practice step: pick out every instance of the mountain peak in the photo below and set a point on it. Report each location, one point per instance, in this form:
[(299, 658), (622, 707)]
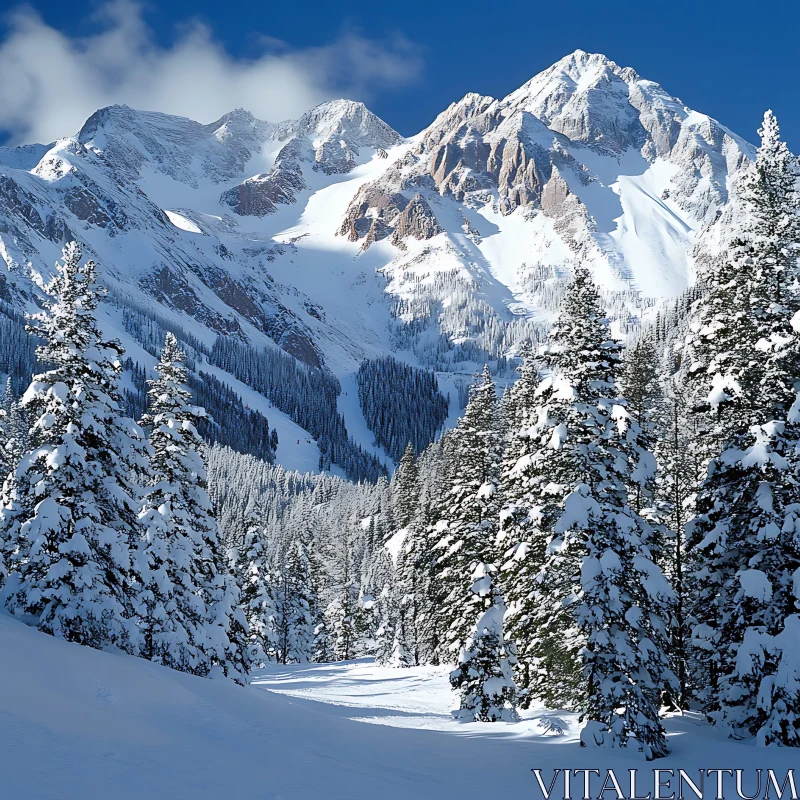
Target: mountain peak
[(101, 118), (581, 60), (576, 73), (586, 97), (348, 118), (239, 116), (241, 125)]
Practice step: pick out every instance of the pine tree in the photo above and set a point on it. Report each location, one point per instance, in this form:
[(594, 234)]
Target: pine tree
[(779, 711), (386, 625), (322, 649), (620, 615), (743, 533), (595, 636), (641, 388), (6, 465), (73, 509), (411, 645), (208, 628), (259, 609), (343, 621), (484, 676), (518, 399), (15, 444), (405, 488), (290, 593), (466, 531), (415, 625), (7, 403), (680, 465), (520, 561), (382, 585)]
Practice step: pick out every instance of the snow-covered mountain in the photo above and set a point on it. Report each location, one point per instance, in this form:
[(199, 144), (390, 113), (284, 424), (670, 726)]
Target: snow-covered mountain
[(335, 239)]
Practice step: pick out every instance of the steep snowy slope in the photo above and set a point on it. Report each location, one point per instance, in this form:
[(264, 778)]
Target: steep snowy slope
[(78, 723), (334, 239)]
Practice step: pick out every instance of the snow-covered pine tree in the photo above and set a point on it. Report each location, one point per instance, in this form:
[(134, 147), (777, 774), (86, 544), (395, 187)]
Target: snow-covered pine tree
[(256, 580), (290, 593), (322, 652), (595, 637), (745, 549), (517, 402), (520, 561), (343, 613), (412, 645), (679, 467), (227, 633), (381, 581), (5, 464), (424, 535), (208, 628), (71, 517), (484, 676), (621, 614), (15, 443), (414, 624), (6, 404), (405, 488), (641, 387), (779, 712), (466, 531), (341, 624), (386, 624)]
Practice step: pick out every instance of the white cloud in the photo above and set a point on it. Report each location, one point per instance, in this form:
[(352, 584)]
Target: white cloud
[(51, 83)]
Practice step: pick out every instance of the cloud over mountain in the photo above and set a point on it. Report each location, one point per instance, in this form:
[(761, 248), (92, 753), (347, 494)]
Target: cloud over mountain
[(59, 81)]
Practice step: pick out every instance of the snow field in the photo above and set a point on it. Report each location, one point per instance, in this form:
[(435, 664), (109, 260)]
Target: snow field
[(78, 723)]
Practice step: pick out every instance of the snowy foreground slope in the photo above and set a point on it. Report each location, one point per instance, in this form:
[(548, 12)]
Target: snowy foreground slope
[(77, 723)]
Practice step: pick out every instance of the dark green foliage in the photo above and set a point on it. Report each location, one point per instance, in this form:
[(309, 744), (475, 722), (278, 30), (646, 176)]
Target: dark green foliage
[(401, 404)]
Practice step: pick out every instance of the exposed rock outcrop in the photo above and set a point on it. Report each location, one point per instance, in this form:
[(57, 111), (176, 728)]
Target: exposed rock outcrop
[(417, 221), (258, 196)]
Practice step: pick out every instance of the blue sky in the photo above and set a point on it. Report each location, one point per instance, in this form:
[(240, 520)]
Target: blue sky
[(409, 59)]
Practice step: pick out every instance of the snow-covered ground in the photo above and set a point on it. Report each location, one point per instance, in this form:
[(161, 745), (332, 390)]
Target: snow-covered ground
[(77, 723)]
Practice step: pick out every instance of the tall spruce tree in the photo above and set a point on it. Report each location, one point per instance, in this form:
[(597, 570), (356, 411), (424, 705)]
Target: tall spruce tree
[(592, 620), (641, 387), (343, 613), (484, 677), (6, 404), (414, 639), (520, 561), (679, 468), (6, 464), (290, 592), (405, 488), (408, 647), (382, 584), (71, 517), (206, 629), (466, 531), (252, 566), (15, 443), (744, 545)]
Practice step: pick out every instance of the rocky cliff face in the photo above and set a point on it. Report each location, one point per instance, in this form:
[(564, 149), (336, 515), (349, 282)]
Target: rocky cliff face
[(297, 233), (328, 137), (559, 145)]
